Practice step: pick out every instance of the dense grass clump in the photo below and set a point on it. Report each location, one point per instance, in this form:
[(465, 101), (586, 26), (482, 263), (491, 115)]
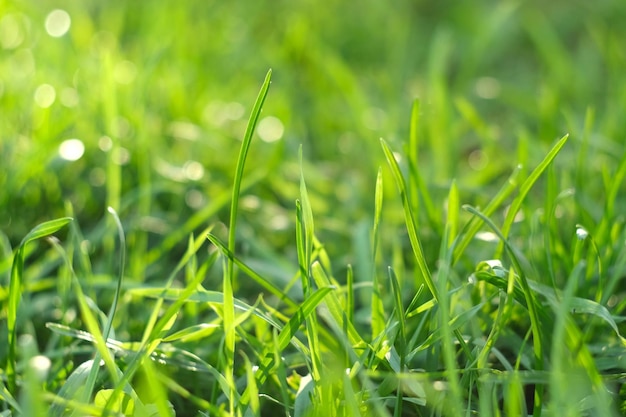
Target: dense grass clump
[(420, 213)]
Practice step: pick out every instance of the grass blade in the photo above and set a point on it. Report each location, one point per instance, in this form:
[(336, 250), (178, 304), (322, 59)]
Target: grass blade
[(15, 292), (531, 303), (229, 273), (413, 237), (525, 188), (264, 282), (378, 314), (410, 220), (304, 236)]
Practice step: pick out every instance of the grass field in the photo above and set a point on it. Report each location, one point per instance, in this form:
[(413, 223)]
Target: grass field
[(299, 208)]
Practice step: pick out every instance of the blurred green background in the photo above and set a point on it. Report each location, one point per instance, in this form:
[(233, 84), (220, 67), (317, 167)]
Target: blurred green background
[(158, 93)]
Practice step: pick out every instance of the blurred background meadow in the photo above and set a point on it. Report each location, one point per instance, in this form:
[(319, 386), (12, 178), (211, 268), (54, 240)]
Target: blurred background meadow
[(142, 106)]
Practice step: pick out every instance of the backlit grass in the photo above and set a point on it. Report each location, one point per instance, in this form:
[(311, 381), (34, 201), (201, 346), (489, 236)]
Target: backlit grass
[(417, 212)]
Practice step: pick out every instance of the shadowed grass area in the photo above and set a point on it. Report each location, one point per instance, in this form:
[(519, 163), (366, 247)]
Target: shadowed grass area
[(419, 211)]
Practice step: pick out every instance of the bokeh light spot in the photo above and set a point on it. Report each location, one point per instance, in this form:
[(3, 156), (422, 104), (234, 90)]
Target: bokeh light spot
[(121, 156), (487, 87), (270, 129), (69, 97), (11, 32), (105, 143), (58, 22), (72, 149), (41, 366), (184, 130), (193, 170), (45, 95), (217, 113), (194, 199)]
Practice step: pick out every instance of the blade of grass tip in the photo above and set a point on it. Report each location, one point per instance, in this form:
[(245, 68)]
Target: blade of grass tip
[(475, 224), (409, 219), (229, 272), (531, 304), (15, 292), (524, 189), (378, 314)]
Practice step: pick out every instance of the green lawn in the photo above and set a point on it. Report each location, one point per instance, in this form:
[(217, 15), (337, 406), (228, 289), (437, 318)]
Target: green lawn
[(303, 208)]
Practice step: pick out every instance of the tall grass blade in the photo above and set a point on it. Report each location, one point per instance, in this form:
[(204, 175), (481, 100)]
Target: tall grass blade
[(229, 273)]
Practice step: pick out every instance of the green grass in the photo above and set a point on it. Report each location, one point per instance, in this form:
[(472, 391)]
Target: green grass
[(418, 212)]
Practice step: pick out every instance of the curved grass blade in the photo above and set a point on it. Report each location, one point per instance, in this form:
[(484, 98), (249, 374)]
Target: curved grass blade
[(229, 272), (15, 292)]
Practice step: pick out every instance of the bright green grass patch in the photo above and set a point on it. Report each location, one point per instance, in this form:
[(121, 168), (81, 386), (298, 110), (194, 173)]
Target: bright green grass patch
[(270, 254)]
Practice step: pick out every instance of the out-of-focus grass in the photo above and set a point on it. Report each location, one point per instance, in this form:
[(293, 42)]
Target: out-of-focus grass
[(158, 94)]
